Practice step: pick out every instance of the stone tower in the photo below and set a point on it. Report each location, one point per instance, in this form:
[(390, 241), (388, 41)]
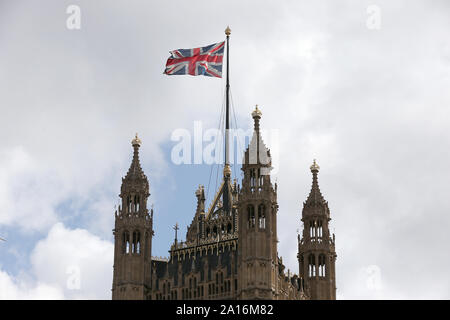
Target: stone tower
[(257, 208), (133, 233), (316, 248)]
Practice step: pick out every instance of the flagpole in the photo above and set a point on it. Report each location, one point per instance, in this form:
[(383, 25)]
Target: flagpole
[(227, 169)]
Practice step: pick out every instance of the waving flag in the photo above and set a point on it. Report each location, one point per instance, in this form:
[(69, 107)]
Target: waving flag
[(206, 61)]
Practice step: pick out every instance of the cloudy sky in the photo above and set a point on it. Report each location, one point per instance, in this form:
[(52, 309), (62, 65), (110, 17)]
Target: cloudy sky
[(363, 86)]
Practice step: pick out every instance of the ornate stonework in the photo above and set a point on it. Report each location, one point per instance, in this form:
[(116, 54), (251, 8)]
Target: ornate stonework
[(230, 250)]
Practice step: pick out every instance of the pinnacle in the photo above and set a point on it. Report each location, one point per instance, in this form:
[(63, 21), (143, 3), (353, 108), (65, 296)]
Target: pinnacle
[(315, 196)]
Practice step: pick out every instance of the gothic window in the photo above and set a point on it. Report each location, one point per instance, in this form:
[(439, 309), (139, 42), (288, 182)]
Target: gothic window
[(136, 245), (126, 242), (215, 231), (313, 232), (251, 216), (222, 229), (262, 216), (312, 265), (136, 203), (260, 179), (128, 204), (229, 228), (252, 178), (322, 267), (320, 229), (208, 232)]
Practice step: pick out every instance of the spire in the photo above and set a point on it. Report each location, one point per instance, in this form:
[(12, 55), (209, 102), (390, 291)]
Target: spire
[(135, 172), (135, 179), (315, 196), (257, 152)]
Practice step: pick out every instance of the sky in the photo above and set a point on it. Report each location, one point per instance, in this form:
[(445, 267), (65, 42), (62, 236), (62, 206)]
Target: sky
[(361, 86)]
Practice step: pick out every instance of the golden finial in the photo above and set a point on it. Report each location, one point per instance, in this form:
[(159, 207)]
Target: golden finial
[(136, 141), (256, 112), (226, 170), (228, 31), (315, 166)]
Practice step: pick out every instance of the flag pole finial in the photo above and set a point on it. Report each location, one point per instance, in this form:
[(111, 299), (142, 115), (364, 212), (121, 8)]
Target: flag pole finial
[(228, 31)]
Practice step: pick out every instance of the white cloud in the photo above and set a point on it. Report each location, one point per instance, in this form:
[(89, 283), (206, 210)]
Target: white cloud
[(371, 106), (16, 289), (67, 264), (76, 261), (28, 196)]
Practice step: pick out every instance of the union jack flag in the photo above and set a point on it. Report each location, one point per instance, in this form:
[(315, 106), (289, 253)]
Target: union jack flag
[(206, 61)]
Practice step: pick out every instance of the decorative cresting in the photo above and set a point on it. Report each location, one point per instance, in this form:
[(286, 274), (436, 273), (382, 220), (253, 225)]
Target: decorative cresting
[(316, 248), (133, 233)]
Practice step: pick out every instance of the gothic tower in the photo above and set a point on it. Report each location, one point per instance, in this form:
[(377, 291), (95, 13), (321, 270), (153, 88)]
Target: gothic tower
[(316, 248), (257, 208), (133, 233)]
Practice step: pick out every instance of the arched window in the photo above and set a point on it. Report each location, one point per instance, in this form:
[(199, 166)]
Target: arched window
[(320, 229), (229, 228), (128, 204), (322, 266), (251, 216), (215, 231), (126, 242), (208, 232), (261, 216), (136, 246), (252, 178), (313, 232), (311, 265), (136, 203), (260, 178)]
